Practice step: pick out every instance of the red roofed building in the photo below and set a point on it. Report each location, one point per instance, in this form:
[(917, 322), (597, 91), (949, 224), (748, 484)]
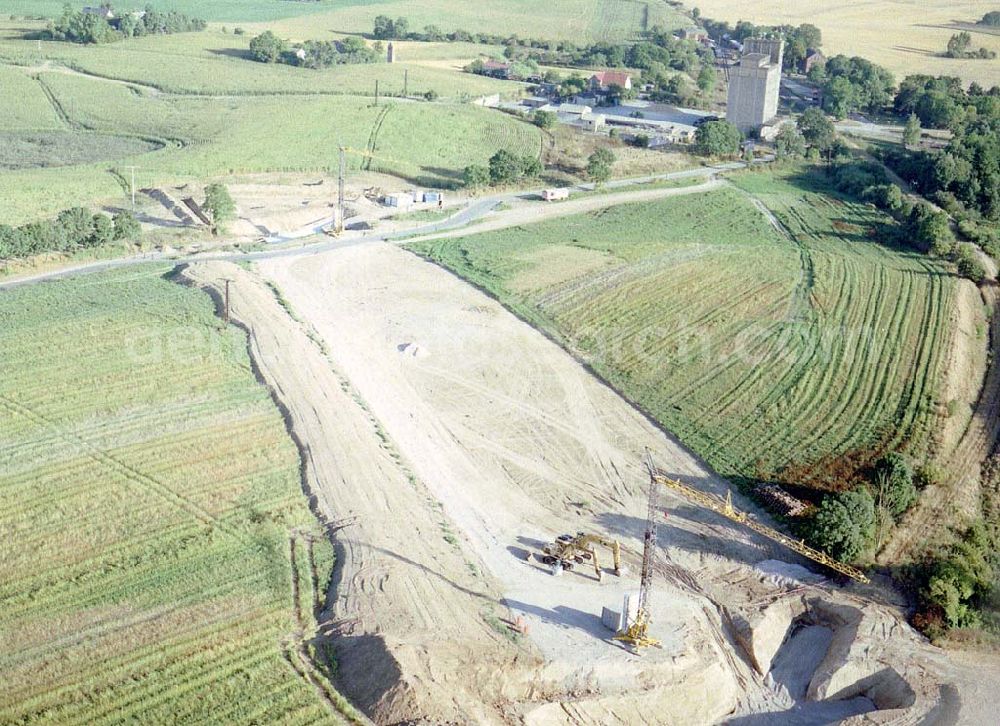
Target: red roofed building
[(496, 69), (603, 80)]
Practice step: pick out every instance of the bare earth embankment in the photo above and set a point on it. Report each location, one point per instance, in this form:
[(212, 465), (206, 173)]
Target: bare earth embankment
[(465, 439)]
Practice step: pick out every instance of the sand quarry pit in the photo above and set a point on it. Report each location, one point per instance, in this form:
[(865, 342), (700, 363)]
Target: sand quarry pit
[(452, 440)]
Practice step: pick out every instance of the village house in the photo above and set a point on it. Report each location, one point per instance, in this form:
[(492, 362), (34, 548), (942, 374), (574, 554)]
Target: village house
[(813, 58), (496, 69), (603, 80), (696, 34)]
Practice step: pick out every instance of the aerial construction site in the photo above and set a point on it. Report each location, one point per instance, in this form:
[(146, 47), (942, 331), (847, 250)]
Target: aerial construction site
[(516, 543)]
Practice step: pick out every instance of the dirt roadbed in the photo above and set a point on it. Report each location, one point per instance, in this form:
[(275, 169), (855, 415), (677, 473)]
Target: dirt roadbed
[(455, 440)]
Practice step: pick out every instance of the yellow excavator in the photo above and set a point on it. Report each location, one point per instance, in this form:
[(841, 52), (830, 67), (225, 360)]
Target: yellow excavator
[(568, 550)]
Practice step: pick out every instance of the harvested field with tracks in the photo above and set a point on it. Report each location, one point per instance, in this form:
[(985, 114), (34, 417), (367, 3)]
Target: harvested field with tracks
[(158, 560), (796, 349)]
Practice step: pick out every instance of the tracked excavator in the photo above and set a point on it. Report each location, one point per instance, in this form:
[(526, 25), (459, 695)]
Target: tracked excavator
[(569, 550)]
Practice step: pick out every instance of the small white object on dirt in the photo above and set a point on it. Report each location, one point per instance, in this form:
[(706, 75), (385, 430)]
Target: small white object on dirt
[(412, 350)]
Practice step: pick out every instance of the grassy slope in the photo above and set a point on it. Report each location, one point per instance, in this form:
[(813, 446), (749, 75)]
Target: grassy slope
[(767, 355), (427, 143), (213, 62), (32, 110), (150, 491)]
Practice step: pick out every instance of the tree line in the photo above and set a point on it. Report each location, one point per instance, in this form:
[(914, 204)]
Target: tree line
[(72, 229), (269, 48), (964, 177), (504, 167), (959, 47), (80, 27)]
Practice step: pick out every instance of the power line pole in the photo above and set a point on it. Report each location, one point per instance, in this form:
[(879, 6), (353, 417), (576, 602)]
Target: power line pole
[(376, 92), (406, 83), (226, 312), (340, 189)]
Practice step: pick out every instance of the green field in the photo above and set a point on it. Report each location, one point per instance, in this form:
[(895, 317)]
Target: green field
[(578, 20), (215, 63), (584, 20), (221, 10), (796, 358), (204, 138), (29, 149), (153, 521)]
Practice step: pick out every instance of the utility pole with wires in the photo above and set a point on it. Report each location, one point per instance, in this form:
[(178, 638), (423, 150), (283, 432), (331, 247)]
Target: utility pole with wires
[(340, 189), (406, 83), (376, 92), (133, 186)]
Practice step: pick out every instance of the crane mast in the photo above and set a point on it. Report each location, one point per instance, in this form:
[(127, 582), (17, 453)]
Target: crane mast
[(636, 633)]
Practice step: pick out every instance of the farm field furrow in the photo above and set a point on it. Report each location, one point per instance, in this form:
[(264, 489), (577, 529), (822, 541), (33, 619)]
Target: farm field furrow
[(717, 349), (172, 591)]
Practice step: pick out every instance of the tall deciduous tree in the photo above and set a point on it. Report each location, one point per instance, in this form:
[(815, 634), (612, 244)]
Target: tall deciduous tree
[(267, 47), (817, 129), (718, 138), (911, 132), (218, 204)]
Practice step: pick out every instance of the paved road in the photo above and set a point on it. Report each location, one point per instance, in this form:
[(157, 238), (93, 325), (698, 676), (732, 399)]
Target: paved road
[(475, 210)]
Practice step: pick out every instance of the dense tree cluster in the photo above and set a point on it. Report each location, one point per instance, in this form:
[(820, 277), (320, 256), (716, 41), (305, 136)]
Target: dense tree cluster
[(959, 44), (219, 205), (73, 229), (599, 165), (718, 138), (504, 167), (269, 48), (388, 29), (894, 485), (789, 143), (81, 27), (991, 19), (943, 103), (964, 178), (844, 525), (544, 119), (853, 84)]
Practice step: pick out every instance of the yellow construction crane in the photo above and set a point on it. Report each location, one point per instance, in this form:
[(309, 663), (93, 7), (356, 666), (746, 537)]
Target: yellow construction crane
[(567, 550), (726, 509), (636, 633)]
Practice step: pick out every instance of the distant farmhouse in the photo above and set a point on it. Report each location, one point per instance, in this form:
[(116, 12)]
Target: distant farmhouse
[(754, 84), (813, 58), (496, 69), (603, 80), (696, 34)]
